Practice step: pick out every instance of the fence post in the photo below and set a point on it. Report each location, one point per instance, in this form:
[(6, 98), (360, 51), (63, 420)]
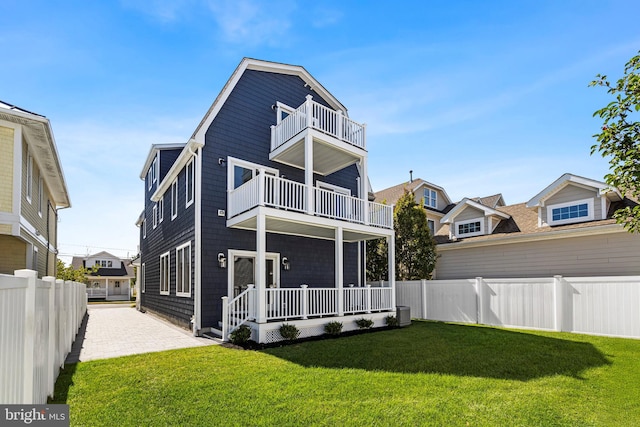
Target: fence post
[(423, 294), (51, 350), (29, 333), (558, 297), (479, 300), (368, 297), (305, 295)]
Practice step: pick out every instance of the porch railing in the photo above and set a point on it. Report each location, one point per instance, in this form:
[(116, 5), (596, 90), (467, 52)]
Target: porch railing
[(321, 118), (238, 311), (273, 191), (96, 293)]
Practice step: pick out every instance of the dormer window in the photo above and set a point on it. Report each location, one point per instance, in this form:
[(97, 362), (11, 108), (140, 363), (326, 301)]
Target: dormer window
[(430, 198), (469, 228), (570, 212)]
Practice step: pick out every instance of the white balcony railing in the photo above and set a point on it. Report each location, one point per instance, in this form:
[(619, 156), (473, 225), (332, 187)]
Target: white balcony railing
[(279, 193), (321, 118)]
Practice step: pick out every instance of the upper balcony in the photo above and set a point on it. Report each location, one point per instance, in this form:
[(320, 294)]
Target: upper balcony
[(338, 141), (299, 213)]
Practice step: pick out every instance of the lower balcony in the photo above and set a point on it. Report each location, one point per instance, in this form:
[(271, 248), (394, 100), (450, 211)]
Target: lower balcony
[(291, 196)]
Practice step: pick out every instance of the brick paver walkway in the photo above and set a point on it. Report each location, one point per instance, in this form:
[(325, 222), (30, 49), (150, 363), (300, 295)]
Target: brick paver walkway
[(114, 330)]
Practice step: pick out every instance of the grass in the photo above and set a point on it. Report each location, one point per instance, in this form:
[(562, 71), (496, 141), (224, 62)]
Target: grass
[(427, 374)]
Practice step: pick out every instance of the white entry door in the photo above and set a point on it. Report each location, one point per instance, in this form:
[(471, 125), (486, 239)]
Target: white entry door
[(242, 271)]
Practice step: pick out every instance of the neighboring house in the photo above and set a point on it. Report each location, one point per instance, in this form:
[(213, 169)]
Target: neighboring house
[(566, 229), (432, 197), (32, 189), (266, 205), (112, 278)]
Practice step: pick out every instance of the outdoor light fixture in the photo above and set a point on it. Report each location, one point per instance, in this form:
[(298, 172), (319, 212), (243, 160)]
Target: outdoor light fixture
[(221, 161), (222, 260), (285, 264)]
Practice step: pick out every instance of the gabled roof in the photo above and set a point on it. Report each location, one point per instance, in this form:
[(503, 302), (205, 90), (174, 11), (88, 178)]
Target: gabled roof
[(268, 66), (491, 201), (121, 268), (448, 218), (36, 130), (605, 189), (152, 154), (392, 194)]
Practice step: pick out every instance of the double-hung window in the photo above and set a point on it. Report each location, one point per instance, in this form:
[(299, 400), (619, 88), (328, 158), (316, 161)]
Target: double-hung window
[(174, 199), (160, 205), (183, 270), (155, 215), (164, 273), (189, 183), (430, 198)]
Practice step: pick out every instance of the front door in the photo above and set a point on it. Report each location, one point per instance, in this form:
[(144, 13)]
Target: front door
[(242, 271)]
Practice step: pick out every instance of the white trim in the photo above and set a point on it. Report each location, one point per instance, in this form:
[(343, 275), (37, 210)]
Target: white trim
[(231, 253), (451, 215), (232, 162), (589, 217), (280, 108), (166, 255), (160, 205), (143, 277), (185, 155), (40, 195), (29, 179), (187, 262), (469, 221), (154, 215), (144, 228), (189, 177), (197, 257), (433, 186), (567, 178), (426, 187), (174, 199), (35, 234), (335, 188)]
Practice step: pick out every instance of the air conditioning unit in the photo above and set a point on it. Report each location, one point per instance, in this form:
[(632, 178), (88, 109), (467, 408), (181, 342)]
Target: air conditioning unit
[(403, 314)]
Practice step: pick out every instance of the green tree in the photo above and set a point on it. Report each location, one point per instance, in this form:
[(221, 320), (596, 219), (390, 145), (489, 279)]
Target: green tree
[(619, 138), (415, 248), (79, 274)]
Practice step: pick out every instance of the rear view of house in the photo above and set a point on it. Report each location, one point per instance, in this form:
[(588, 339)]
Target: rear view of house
[(261, 217), (109, 277), (32, 189)]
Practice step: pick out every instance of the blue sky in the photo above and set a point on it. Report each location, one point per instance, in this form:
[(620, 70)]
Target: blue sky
[(479, 97)]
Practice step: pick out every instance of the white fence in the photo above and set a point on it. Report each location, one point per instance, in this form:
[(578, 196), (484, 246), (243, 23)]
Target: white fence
[(39, 320), (591, 305)]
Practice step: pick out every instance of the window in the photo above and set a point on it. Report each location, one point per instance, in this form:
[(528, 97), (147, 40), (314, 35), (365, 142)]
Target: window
[(432, 226), (164, 274), (104, 263), (183, 270), (570, 212), (160, 210), (189, 182), (152, 175), (283, 111), (144, 228), (155, 215), (40, 196), (142, 277), (117, 283), (174, 199), (29, 176), (241, 172), (430, 198), (471, 227)]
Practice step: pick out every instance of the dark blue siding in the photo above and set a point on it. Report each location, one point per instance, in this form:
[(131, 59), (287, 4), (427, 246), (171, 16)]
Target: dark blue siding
[(242, 130)]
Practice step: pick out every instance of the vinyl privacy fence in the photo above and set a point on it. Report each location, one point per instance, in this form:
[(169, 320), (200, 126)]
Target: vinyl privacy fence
[(607, 306), (39, 320)]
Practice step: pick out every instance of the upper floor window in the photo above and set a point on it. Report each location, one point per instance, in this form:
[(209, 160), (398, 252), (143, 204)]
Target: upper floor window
[(430, 198), (160, 209), (569, 212), (174, 199), (152, 175), (29, 176), (155, 215), (469, 228), (104, 263), (183, 270), (189, 183), (144, 228), (241, 171), (40, 196), (432, 226)]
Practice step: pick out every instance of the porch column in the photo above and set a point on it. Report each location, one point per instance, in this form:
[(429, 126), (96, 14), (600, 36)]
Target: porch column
[(106, 289), (339, 269), (391, 258), (261, 240), (364, 189), (308, 172)]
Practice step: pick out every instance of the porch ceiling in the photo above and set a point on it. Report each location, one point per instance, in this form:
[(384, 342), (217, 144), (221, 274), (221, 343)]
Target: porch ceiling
[(328, 156), (297, 224)]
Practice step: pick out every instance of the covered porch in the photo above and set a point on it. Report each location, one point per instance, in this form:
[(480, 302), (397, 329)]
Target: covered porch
[(108, 289)]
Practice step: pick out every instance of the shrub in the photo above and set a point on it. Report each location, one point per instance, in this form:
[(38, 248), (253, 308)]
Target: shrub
[(289, 332), (240, 335), (333, 328), (391, 321), (364, 323)]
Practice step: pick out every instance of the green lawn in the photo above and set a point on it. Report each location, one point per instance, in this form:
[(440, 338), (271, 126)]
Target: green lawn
[(427, 374)]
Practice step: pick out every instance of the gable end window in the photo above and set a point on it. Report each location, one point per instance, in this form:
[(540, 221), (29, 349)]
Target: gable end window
[(189, 181), (430, 198), (469, 228), (570, 212), (164, 274)]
